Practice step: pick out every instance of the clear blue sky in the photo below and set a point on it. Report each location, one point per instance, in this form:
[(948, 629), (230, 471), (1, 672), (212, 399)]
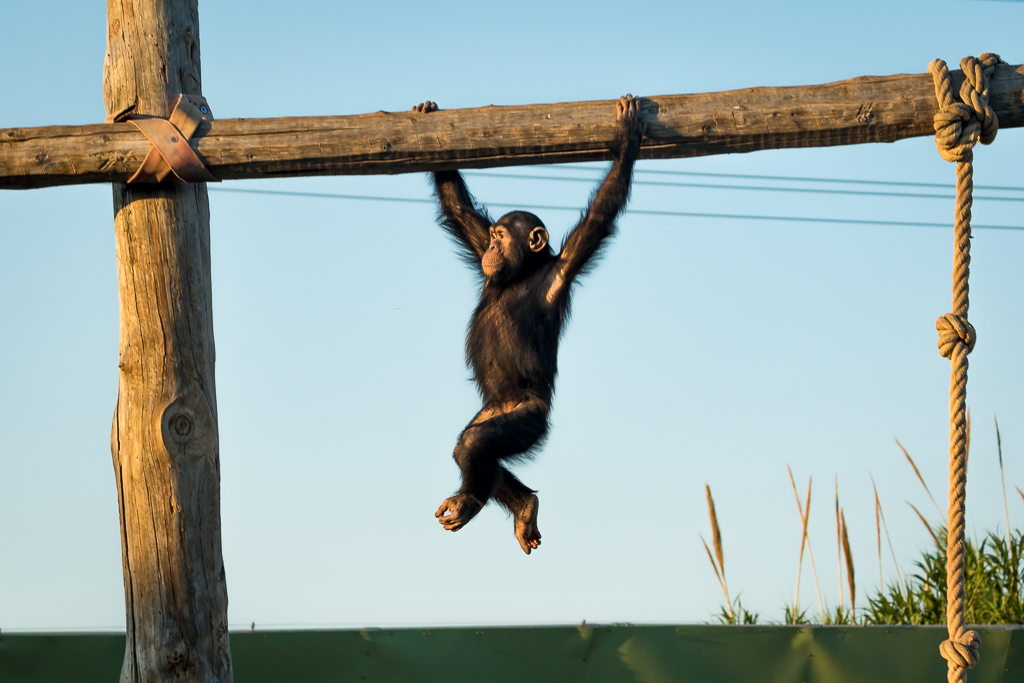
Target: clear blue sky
[(701, 350)]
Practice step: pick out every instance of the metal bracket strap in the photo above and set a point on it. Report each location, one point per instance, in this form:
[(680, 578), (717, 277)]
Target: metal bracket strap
[(171, 152)]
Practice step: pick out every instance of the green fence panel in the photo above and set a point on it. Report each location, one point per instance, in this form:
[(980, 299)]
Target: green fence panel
[(610, 654), (68, 658)]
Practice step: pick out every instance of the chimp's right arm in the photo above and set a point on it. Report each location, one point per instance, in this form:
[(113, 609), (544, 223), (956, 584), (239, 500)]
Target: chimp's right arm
[(466, 222)]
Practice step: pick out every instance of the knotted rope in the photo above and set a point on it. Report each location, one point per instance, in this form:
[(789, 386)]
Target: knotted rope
[(958, 126)]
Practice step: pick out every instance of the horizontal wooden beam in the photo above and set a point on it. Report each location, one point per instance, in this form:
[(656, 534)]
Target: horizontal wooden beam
[(860, 110)]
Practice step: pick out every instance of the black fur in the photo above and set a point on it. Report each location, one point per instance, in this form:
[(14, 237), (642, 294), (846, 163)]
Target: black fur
[(512, 345)]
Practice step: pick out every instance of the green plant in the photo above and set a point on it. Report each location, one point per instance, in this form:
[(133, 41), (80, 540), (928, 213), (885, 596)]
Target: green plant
[(993, 569), (840, 617), (994, 576), (735, 613), (798, 618)]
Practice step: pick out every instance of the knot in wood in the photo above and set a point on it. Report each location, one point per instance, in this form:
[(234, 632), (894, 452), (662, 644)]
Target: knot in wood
[(181, 426), (177, 657), (187, 428)]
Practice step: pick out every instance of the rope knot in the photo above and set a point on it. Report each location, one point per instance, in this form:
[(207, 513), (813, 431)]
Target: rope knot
[(961, 651), (954, 330), (960, 125)]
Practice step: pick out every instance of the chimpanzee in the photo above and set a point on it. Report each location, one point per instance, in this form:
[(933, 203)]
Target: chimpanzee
[(512, 345)]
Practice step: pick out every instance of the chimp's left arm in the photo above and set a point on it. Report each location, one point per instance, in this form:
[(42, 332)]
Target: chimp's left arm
[(583, 245)]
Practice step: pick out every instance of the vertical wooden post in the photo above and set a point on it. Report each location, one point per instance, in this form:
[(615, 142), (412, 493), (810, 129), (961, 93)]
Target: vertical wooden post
[(164, 437)]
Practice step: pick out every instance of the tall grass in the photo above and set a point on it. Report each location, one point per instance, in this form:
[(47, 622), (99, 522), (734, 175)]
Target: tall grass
[(1002, 480), (923, 521), (994, 568), (805, 515), (878, 528), (880, 513), (839, 547), (993, 574), (732, 612), (917, 472), (848, 556), (716, 538)]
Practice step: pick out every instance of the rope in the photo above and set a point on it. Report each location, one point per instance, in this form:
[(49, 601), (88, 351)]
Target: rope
[(958, 126)]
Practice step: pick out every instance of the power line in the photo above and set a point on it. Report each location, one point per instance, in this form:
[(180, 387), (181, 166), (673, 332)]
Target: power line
[(795, 179), (642, 212), (762, 188)]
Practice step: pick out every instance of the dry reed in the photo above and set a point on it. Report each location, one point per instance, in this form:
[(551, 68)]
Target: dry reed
[(878, 536), (925, 522), (714, 566), (839, 546), (888, 538), (921, 479), (848, 554), (967, 446), (805, 515), (1002, 480), (716, 539)]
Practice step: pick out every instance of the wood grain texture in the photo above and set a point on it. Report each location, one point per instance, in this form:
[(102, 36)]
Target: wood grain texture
[(164, 436), (860, 110)]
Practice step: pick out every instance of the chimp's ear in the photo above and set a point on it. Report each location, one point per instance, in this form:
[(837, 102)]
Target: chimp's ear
[(538, 239)]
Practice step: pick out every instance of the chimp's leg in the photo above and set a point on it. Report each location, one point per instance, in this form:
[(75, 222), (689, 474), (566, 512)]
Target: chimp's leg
[(497, 433), (522, 502)]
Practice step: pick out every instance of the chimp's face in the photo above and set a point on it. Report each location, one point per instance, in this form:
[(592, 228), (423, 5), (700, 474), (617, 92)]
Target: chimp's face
[(514, 239)]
